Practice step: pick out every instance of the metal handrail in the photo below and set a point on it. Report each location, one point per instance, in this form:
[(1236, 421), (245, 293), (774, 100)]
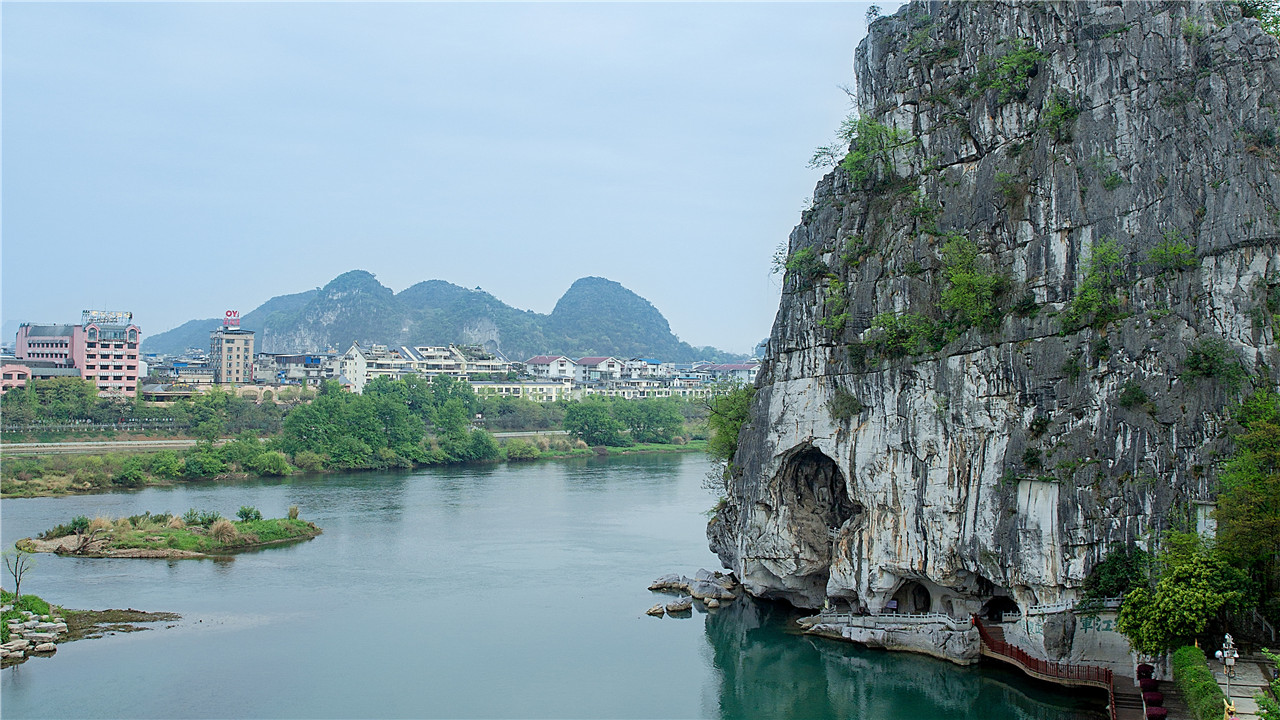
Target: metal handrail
[(1053, 671)]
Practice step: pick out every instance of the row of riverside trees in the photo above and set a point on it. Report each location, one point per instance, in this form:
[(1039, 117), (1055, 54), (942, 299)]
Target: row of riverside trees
[(387, 425), (68, 400), (395, 423)]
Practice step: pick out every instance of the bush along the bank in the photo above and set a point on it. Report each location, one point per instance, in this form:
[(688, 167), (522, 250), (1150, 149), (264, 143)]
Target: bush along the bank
[(1194, 678), (196, 531)]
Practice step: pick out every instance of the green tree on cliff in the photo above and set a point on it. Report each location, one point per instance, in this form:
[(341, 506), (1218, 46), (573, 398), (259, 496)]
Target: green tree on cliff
[(727, 414), (1196, 586)]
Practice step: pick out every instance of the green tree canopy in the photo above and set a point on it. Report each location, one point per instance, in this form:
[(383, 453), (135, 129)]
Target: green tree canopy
[(592, 422), (653, 420), (727, 414), (1196, 584)]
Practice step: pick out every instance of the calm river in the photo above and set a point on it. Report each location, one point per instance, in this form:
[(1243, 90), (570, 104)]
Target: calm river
[(504, 591)]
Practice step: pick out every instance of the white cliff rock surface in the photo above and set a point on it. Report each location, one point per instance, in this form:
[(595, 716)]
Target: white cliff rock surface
[(1003, 463)]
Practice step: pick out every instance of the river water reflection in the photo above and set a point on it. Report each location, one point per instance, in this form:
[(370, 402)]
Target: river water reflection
[(505, 591)]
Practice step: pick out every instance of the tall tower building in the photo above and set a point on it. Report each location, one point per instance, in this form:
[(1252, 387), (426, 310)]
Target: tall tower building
[(231, 355)]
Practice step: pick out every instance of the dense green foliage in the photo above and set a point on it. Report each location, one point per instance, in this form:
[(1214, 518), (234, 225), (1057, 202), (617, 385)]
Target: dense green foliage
[(1010, 73), (1059, 116), (1172, 254), (603, 421), (74, 400), (1200, 691), (517, 413), (1131, 395), (1196, 585), (804, 266), (1213, 358), (592, 422), (1096, 303), (520, 450), (728, 412), (1249, 503), (386, 426), (905, 334), (1124, 569), (835, 305), (972, 294), (870, 156)]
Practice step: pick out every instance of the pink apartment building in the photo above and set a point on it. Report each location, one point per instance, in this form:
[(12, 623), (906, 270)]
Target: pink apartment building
[(103, 347)]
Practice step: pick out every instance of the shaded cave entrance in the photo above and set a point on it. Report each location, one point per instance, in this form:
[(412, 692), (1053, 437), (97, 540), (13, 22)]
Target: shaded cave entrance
[(1000, 607), (813, 486), (812, 489), (912, 598)]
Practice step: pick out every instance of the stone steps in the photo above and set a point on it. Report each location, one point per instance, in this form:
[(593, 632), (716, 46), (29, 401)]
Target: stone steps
[(32, 635)]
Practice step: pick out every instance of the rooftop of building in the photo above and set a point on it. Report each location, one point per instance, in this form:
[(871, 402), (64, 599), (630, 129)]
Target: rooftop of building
[(49, 330), (545, 359)]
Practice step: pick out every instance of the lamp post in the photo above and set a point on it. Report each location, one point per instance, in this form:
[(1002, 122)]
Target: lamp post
[(1228, 655)]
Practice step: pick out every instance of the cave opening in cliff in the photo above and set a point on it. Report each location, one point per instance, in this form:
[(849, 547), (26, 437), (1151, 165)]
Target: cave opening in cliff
[(816, 487), (912, 598), (998, 607)]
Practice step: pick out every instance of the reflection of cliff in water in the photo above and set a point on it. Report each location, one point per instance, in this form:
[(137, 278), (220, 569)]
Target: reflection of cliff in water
[(766, 672)]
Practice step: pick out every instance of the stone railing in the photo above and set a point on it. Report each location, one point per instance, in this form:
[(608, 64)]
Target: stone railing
[(909, 618)]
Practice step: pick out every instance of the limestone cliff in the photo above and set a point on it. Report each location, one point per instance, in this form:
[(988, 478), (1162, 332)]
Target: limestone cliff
[(901, 449)]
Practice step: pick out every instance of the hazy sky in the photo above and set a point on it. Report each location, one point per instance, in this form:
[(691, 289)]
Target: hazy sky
[(180, 159)]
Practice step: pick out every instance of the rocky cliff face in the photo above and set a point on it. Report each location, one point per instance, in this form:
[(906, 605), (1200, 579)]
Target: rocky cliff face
[(906, 446)]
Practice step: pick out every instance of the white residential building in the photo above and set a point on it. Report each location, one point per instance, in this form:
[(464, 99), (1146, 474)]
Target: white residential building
[(734, 372), (551, 366), (592, 369), (535, 390)]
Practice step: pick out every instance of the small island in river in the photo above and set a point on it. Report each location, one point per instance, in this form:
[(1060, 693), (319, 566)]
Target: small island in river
[(195, 534)]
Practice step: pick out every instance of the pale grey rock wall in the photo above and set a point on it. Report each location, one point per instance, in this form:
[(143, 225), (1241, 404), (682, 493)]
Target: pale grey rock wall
[(928, 487)]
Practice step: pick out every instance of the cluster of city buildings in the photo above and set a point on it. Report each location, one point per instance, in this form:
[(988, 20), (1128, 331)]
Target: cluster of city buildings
[(104, 349)]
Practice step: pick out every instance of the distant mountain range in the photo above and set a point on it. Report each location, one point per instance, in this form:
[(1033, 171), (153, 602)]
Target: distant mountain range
[(595, 316)]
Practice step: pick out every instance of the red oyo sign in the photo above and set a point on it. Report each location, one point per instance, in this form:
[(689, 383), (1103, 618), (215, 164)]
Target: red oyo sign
[(232, 318)]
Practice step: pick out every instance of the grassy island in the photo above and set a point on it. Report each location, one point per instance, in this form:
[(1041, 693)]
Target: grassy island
[(194, 534)]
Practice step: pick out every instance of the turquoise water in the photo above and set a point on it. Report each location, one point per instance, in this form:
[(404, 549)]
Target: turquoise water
[(506, 591)]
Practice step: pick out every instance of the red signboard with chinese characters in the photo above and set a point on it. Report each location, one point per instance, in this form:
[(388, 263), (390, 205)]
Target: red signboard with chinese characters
[(231, 319)]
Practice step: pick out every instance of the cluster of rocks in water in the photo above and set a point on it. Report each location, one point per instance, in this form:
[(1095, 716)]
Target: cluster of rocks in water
[(35, 634), (712, 589)]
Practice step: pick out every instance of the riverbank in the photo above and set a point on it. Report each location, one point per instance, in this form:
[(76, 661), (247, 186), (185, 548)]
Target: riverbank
[(109, 466), (166, 536), (31, 627)]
